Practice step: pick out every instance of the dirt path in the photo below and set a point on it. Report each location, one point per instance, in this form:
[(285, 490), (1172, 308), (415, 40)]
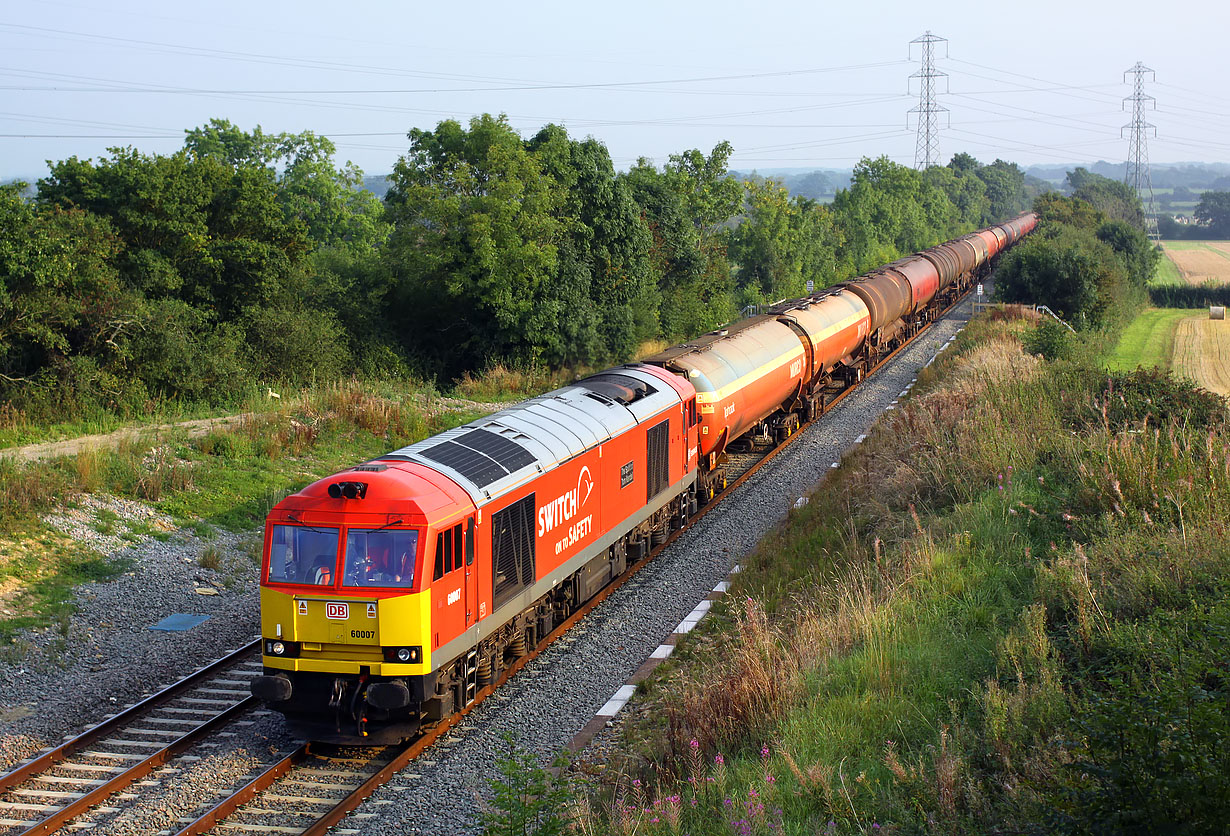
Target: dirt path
[(111, 440), (197, 428), (1202, 352)]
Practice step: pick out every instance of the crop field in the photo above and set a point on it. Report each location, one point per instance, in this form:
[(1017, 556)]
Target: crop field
[(1199, 262), (1202, 352)]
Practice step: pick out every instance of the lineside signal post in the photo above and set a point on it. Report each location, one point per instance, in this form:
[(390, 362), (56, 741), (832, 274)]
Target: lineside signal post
[(981, 301)]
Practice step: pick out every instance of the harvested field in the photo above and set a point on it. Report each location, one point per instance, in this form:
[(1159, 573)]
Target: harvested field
[(1201, 262), (1202, 352)]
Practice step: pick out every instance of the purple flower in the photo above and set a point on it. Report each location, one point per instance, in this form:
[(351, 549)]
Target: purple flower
[(695, 744), (764, 751), (719, 760)]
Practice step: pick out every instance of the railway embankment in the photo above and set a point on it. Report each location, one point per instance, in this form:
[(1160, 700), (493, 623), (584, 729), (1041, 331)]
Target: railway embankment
[(1004, 612)]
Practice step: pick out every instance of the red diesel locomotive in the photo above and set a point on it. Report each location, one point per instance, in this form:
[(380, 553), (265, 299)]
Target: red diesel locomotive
[(392, 592)]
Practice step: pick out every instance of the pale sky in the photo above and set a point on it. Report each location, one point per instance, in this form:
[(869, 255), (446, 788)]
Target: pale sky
[(789, 84)]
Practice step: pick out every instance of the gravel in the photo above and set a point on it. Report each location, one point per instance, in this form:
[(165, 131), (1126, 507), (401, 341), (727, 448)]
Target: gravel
[(53, 682), (57, 680)]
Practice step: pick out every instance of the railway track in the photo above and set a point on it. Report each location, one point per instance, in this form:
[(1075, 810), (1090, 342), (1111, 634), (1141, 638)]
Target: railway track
[(89, 778), (92, 772)]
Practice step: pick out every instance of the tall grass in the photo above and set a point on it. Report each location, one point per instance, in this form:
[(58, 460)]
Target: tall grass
[(947, 637), (500, 383)]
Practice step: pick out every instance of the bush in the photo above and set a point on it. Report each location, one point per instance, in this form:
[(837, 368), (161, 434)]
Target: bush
[(1157, 752), (1050, 339)]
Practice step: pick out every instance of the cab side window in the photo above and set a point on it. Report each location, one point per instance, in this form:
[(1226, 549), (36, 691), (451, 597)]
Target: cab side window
[(449, 551)]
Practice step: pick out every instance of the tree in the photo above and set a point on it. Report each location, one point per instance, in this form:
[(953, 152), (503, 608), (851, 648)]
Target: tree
[(1114, 199), (889, 210), (694, 289), (475, 245), (330, 202), (66, 319), (1214, 212), (781, 243), (1054, 209), (1005, 184), (604, 265), (208, 247), (964, 189), (1071, 271), (687, 206), (1133, 247), (708, 193)]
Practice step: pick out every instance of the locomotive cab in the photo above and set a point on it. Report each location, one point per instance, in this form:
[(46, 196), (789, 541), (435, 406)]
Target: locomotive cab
[(346, 599)]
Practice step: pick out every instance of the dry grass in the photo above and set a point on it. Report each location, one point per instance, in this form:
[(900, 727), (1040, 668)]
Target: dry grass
[(1202, 352), (501, 383)]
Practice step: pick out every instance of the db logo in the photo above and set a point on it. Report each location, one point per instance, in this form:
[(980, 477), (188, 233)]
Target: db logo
[(339, 611)]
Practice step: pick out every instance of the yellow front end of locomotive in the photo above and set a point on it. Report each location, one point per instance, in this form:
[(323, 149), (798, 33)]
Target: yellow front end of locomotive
[(346, 634)]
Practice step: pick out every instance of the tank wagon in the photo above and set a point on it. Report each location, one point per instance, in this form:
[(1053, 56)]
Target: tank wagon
[(392, 592)]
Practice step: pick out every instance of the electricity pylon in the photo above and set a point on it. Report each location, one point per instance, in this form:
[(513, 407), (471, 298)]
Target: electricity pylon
[(1137, 173), (927, 151)]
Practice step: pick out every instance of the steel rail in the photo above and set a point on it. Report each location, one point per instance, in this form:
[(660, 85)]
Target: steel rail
[(51, 757), (211, 817), (138, 770)]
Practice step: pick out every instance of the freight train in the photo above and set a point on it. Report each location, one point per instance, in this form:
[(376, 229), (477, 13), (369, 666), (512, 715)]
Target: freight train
[(393, 592)]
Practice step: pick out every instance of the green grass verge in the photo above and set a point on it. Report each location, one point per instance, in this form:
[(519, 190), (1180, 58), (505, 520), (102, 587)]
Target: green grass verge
[(1149, 339), (1166, 273)]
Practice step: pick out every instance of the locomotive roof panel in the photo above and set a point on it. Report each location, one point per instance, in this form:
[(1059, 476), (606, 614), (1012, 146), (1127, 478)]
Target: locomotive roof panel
[(495, 454)]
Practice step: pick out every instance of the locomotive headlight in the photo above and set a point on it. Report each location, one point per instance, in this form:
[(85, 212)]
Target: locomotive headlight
[(277, 647), (411, 655)]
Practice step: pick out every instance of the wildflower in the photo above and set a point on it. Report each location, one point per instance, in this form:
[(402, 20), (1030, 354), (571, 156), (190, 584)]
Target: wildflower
[(695, 744), (764, 751), (719, 760), (636, 782)]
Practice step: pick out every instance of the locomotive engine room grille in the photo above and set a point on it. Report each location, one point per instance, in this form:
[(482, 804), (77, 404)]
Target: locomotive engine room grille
[(657, 465), (512, 549)]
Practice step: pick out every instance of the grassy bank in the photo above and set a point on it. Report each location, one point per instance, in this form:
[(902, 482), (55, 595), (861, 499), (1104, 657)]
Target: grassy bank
[(1003, 613), (1149, 339), (227, 479), (1166, 272)]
